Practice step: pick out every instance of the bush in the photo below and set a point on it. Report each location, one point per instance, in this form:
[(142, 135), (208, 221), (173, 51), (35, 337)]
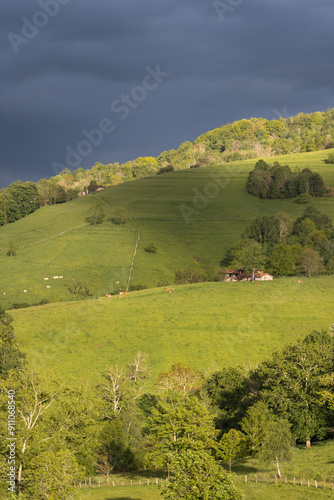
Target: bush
[(167, 168), (121, 216), (20, 305), (79, 289), (151, 248), (330, 158)]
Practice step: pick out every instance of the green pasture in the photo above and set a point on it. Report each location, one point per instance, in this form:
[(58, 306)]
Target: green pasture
[(314, 464), (168, 210), (208, 325)]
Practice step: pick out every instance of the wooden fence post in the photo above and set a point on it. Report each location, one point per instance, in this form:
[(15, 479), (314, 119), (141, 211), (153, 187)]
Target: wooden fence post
[(308, 483), (99, 483), (294, 481), (156, 481), (113, 483), (148, 482), (245, 479), (316, 484)]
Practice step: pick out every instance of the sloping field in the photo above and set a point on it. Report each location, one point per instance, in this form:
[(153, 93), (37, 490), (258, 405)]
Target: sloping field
[(204, 325), (192, 216)]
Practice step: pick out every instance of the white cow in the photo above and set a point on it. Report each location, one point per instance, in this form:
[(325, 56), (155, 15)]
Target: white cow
[(45, 279)]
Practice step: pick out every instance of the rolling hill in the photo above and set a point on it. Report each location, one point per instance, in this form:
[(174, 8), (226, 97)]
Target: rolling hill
[(56, 240), (200, 325)]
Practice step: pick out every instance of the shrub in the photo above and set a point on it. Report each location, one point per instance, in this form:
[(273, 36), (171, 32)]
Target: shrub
[(330, 158), (79, 289), (151, 248), (20, 305), (303, 198), (167, 168)]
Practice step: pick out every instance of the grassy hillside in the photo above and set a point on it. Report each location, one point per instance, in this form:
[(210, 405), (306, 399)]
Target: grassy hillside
[(50, 243), (204, 325)]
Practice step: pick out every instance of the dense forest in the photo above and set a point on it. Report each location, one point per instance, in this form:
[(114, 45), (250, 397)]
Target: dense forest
[(240, 140), (65, 432)]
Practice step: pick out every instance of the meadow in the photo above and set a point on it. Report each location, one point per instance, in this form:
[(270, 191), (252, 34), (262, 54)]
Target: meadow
[(313, 464), (205, 326)]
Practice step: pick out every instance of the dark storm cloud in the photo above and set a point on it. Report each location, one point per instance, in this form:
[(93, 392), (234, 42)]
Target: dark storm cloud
[(265, 57)]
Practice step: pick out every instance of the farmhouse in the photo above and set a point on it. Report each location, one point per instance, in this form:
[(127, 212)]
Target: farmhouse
[(241, 275)]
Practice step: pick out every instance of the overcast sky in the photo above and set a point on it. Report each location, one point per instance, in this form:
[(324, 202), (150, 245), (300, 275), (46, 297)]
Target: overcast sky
[(150, 74)]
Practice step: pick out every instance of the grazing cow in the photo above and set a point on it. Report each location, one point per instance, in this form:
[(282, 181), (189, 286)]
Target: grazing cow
[(60, 277), (45, 279), (55, 277), (173, 290), (170, 291), (24, 291), (4, 293), (257, 284), (48, 286), (300, 281), (116, 282)]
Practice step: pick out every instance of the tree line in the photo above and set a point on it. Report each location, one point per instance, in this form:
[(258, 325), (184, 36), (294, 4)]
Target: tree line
[(189, 424)]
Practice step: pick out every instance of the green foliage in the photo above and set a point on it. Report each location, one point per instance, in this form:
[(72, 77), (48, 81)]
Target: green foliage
[(255, 425), (277, 442), (11, 358), (330, 158), (52, 476), (79, 289), (92, 187), (232, 446), (283, 259), (121, 216), (311, 262), (179, 422), (248, 254), (278, 181), (96, 215), (11, 249), (151, 248), (290, 384), (196, 476)]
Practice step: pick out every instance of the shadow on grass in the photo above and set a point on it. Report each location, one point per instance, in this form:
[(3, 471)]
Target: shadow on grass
[(242, 469), (123, 498), (147, 474)]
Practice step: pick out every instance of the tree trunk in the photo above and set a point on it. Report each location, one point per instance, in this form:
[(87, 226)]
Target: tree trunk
[(308, 443), (230, 466)]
